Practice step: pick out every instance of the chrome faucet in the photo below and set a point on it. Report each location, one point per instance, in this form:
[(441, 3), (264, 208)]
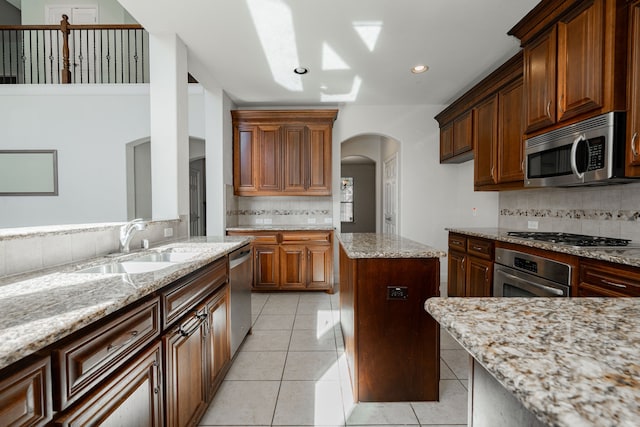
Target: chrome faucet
[(128, 230)]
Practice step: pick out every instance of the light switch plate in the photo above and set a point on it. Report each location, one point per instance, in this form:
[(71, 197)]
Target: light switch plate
[(268, 221), (328, 220), (532, 225), (168, 232), (311, 220)]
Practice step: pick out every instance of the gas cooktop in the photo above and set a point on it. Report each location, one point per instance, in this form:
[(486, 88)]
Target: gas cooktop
[(568, 239)]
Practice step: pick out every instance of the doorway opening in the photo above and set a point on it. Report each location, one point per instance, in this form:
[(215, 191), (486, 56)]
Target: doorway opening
[(139, 183), (382, 155)]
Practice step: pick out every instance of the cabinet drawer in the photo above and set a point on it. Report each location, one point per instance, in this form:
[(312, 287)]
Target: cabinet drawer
[(307, 237), (87, 360), (480, 248), (25, 395), (178, 300), (456, 241), (609, 280), (259, 237)]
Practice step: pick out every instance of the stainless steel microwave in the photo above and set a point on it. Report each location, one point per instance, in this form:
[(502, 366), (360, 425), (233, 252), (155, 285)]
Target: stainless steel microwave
[(590, 152)]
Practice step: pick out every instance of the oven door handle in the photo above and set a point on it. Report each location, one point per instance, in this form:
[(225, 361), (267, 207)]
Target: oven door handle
[(530, 286), (574, 150)]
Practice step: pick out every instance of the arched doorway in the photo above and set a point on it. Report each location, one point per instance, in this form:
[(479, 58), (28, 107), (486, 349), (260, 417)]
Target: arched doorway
[(383, 152), (358, 195)]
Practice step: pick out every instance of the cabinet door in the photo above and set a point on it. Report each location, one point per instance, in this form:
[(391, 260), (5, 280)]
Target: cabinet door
[(510, 142), (580, 61), (218, 345), (540, 82), (457, 277), (25, 396), (132, 398), (266, 266), (446, 141), (293, 146), (293, 266), (463, 133), (269, 158), (485, 135), (185, 372), (318, 162), (245, 160), (479, 277), (319, 267), (633, 99)]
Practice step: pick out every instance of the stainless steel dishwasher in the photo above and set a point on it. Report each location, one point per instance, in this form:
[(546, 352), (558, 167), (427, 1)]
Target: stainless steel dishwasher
[(240, 281)]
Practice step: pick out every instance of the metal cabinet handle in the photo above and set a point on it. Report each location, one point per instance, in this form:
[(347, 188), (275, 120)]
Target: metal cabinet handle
[(617, 285), (112, 347), (492, 169), (633, 144), (156, 365), (462, 265), (477, 248), (201, 317), (560, 104)]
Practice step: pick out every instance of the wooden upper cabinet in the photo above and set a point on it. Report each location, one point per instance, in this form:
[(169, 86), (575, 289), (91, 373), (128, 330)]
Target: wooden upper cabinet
[(462, 133), (245, 166), (575, 61), (290, 153), (633, 94), (446, 141), (540, 82), (510, 164), (485, 133), (580, 61), (269, 155)]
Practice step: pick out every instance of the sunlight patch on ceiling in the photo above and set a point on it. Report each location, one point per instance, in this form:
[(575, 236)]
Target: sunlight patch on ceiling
[(274, 24), (344, 97), (331, 60), (369, 31)]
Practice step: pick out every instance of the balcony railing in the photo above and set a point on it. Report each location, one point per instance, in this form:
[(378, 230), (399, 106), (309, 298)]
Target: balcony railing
[(65, 53)]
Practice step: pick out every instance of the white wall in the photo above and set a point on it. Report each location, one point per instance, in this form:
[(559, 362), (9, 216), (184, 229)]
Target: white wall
[(90, 127), (432, 196), (109, 11)]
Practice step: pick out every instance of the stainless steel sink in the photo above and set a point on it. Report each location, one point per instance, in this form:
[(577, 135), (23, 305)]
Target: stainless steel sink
[(126, 267), (167, 257)]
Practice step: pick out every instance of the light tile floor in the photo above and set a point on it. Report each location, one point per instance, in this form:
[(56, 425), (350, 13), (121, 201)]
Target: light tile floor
[(292, 372)]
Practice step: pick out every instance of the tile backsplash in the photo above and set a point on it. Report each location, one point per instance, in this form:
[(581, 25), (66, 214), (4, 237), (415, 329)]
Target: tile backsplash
[(612, 211), (298, 210), (34, 248)]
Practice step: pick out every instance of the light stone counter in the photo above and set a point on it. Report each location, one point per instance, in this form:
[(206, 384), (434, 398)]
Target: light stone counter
[(570, 361), (305, 227), (37, 309), (377, 245), (627, 256)]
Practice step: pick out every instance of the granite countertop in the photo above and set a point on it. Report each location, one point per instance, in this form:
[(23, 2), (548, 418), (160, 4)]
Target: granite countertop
[(627, 256), (39, 308), (377, 245), (304, 227), (570, 361)]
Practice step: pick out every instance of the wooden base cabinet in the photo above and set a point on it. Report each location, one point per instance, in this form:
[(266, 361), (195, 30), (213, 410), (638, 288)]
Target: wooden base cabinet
[(470, 266), (132, 398), (392, 344), (291, 260), (25, 395)]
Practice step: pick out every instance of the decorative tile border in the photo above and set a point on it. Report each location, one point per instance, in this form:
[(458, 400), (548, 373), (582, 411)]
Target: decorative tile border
[(593, 214), (278, 212)]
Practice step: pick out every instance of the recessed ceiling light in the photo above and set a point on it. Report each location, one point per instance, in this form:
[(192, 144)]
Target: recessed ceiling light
[(301, 70), (419, 69)]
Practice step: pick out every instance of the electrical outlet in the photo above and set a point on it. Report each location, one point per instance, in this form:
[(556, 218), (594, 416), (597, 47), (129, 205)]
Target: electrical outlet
[(259, 220), (168, 232), (532, 225), (397, 292), (474, 211), (268, 221), (311, 220), (328, 220)]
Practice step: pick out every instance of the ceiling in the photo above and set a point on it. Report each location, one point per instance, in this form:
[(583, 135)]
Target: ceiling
[(357, 51)]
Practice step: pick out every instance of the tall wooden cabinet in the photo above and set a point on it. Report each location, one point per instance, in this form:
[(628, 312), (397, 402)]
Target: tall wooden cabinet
[(573, 61), (470, 266), (633, 94), (282, 152)]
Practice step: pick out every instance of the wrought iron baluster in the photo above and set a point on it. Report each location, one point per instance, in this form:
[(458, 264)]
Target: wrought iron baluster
[(121, 57), (95, 79), (135, 53), (50, 57), (143, 75)]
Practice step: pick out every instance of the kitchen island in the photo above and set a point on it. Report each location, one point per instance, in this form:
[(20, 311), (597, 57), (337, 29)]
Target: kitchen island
[(392, 345), (562, 361)]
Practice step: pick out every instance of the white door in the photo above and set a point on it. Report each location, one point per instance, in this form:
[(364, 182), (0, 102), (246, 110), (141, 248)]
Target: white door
[(390, 195)]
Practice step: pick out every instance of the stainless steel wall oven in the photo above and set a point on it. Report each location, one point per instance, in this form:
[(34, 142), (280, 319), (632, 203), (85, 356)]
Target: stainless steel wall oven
[(519, 274)]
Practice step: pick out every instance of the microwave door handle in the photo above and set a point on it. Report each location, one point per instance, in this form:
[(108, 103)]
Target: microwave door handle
[(574, 163)]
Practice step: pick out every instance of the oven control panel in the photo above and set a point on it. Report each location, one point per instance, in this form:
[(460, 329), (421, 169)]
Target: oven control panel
[(525, 264)]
